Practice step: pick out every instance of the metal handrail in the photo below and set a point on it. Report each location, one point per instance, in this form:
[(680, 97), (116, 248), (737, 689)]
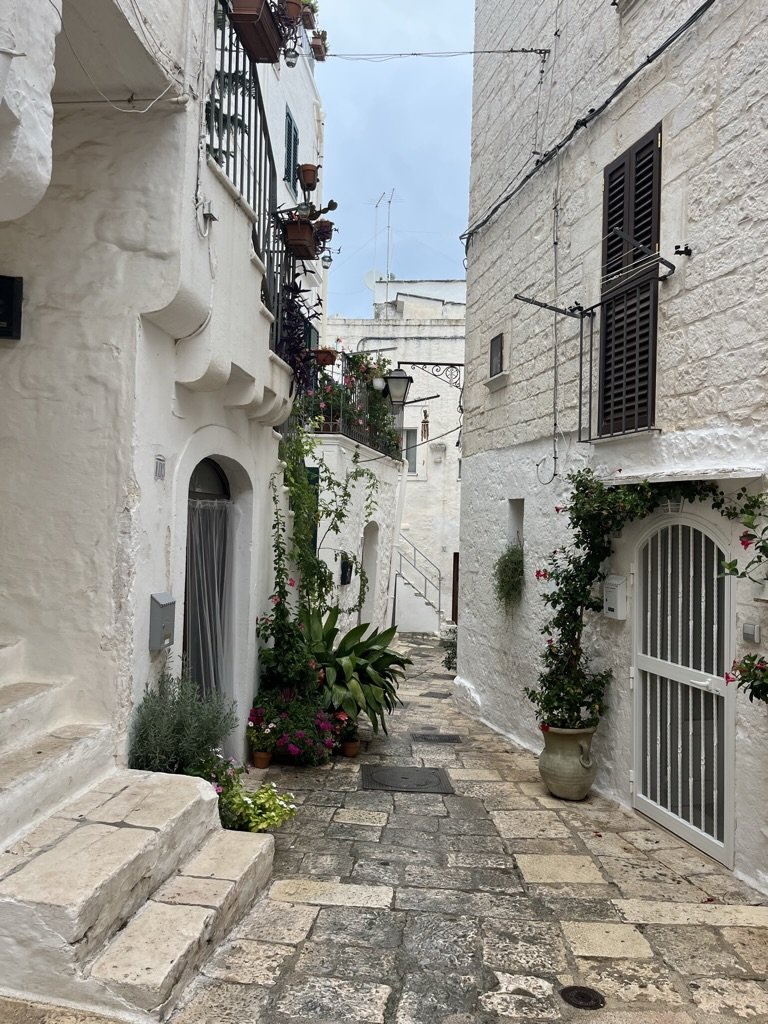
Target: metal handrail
[(438, 586)]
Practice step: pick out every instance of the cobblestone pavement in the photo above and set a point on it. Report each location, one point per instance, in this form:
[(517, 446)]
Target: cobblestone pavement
[(401, 908)]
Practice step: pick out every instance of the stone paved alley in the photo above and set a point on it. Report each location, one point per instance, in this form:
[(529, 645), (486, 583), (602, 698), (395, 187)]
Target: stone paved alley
[(478, 907)]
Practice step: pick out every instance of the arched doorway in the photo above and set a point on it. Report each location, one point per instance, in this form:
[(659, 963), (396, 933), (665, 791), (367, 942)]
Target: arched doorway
[(684, 712), (207, 603), (370, 566)]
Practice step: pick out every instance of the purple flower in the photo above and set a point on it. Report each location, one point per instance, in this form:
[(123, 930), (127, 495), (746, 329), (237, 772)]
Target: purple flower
[(293, 750), (328, 742)]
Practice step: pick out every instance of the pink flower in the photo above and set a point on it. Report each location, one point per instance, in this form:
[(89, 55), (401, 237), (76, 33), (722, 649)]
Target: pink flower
[(729, 678), (745, 540), (322, 405), (544, 727), (328, 742), (293, 750), (275, 599), (542, 574), (558, 508), (291, 582), (328, 389), (312, 663), (217, 787), (300, 734)]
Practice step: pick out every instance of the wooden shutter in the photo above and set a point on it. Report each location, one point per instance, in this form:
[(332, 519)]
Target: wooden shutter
[(291, 150), (631, 202)]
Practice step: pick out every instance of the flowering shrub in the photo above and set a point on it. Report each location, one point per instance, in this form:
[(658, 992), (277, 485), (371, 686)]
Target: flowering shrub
[(240, 810), (304, 733), (262, 732), (750, 674)]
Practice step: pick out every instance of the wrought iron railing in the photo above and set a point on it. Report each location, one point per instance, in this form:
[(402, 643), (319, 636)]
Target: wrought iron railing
[(238, 141), (335, 402), (422, 573)]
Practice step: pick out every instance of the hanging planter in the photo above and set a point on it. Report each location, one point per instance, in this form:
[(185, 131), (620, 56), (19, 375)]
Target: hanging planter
[(300, 239), (323, 230), (291, 10), (307, 16), (307, 175), (258, 29), (317, 43), (325, 356)]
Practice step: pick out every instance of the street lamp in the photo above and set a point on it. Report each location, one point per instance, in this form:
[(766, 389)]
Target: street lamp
[(291, 55), (398, 383), (326, 259)]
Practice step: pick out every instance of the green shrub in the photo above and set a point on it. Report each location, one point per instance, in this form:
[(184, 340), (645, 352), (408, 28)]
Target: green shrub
[(240, 810), (175, 726), (508, 576)]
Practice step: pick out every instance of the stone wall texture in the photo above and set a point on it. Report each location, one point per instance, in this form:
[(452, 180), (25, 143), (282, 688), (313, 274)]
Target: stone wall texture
[(707, 92)]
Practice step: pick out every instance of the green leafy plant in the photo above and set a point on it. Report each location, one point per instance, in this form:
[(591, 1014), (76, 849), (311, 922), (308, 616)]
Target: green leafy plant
[(449, 642), (239, 809), (360, 673), (175, 722), (509, 576), (569, 694), (751, 675)]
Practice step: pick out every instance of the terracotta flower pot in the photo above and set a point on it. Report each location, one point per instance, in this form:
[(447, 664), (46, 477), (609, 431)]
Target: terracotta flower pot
[(325, 356), (350, 748), (323, 230), (565, 764), (291, 9), (307, 16), (261, 758), (307, 175), (300, 239), (318, 47)]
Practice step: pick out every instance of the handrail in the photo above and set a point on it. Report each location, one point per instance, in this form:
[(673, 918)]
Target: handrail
[(427, 582)]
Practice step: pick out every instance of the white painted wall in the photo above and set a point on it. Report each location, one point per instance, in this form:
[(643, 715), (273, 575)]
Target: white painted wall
[(712, 350), (143, 335)]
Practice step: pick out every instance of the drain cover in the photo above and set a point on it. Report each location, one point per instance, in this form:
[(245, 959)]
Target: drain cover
[(436, 694), (435, 737), (406, 780), (582, 998)]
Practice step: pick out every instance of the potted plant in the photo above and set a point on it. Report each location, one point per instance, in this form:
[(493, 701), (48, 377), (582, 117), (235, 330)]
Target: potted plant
[(307, 175), (291, 10), (300, 239), (258, 29), (308, 12), (261, 734), (319, 45), (349, 737), (325, 356), (323, 229)]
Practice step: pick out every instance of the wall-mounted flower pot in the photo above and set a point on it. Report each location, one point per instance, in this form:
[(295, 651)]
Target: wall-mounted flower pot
[(258, 29), (307, 175), (300, 239), (318, 47), (291, 10), (325, 356), (323, 230), (307, 16)]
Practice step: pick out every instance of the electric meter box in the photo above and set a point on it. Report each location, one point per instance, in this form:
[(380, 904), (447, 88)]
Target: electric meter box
[(162, 613), (615, 597)]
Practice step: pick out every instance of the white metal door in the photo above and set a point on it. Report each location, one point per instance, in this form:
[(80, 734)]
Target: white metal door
[(684, 713)]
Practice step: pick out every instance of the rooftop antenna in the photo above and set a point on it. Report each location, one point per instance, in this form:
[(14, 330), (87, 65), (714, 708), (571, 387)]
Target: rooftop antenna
[(375, 237), (389, 252)]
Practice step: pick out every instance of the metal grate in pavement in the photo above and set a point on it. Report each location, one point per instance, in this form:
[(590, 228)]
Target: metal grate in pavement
[(436, 737), (405, 780), (436, 694)]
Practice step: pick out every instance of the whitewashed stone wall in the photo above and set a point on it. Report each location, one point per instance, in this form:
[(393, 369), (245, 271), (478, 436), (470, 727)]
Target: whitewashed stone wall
[(421, 329), (144, 335), (712, 351)]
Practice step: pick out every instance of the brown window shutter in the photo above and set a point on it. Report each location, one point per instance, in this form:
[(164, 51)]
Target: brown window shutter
[(631, 202)]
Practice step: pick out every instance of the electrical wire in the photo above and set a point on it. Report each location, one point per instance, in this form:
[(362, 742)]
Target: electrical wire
[(360, 462), (373, 57), (584, 122)]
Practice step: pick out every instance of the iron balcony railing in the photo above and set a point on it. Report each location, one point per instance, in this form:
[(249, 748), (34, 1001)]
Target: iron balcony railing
[(422, 573), (238, 141)]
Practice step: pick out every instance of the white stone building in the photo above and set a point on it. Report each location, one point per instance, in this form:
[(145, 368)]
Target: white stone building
[(419, 326), (642, 117), (142, 160)]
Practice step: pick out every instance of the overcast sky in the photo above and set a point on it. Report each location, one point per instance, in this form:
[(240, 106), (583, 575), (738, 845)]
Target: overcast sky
[(402, 125)]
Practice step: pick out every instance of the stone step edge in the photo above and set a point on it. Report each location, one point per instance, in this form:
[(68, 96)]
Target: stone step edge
[(181, 924)]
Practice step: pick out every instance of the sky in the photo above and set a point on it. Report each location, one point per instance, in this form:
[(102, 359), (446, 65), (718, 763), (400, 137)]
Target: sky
[(398, 124)]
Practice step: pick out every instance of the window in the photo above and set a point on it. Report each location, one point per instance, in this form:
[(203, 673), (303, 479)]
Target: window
[(291, 151), (497, 355), (631, 206), (409, 449)]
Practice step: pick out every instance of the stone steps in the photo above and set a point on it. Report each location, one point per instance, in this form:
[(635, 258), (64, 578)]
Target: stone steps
[(12, 657), (113, 902), (23, 707), (50, 767)]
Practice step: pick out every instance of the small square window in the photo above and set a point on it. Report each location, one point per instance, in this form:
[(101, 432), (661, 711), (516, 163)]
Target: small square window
[(497, 355)]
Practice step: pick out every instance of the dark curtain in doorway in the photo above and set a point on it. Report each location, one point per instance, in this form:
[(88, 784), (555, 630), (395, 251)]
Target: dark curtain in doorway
[(209, 535)]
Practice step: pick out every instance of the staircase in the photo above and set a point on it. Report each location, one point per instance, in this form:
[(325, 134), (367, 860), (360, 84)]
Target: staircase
[(419, 594), (115, 885)]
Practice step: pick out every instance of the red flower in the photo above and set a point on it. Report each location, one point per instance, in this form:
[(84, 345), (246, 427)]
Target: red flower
[(745, 540), (542, 574), (729, 678), (544, 727), (558, 508), (291, 582)]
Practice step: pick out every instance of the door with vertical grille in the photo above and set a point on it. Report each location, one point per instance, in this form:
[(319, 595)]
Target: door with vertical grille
[(684, 713)]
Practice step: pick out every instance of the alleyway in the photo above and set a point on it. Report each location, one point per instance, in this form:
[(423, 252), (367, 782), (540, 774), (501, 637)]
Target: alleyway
[(468, 909), (413, 908)]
